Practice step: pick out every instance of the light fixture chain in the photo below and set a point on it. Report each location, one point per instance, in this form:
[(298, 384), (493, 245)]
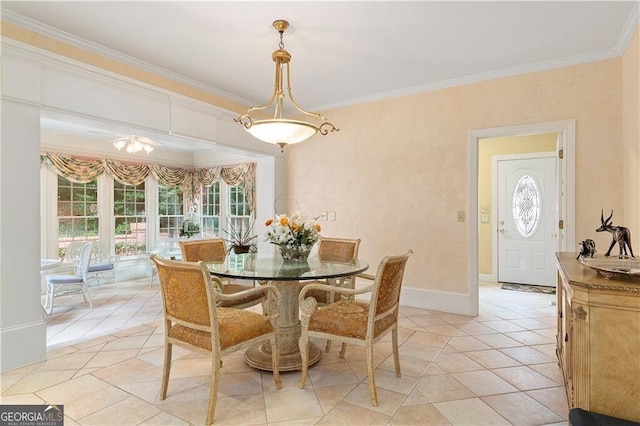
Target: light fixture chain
[(281, 44)]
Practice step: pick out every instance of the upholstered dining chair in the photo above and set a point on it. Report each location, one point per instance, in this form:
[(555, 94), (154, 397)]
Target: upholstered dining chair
[(334, 250), (354, 321), (215, 250), (193, 320), (58, 285)]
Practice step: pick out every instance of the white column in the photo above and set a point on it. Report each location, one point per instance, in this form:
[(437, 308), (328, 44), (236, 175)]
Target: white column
[(22, 330)]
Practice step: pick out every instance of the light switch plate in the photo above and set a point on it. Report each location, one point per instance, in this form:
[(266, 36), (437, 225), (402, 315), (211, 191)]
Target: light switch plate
[(323, 215), (332, 215)]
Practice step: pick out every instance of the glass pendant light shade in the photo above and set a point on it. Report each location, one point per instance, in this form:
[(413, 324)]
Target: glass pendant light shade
[(282, 131)]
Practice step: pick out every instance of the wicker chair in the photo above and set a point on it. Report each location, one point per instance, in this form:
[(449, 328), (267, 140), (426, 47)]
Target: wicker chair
[(192, 320), (354, 321), (102, 263), (334, 250), (58, 285), (215, 250)]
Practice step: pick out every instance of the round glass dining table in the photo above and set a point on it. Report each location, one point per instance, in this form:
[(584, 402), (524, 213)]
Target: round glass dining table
[(288, 277)]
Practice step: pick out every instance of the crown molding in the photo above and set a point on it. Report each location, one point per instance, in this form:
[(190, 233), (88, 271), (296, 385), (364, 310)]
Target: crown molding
[(628, 30), (476, 78)]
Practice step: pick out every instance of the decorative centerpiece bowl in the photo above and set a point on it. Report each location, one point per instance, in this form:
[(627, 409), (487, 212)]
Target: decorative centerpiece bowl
[(295, 235)]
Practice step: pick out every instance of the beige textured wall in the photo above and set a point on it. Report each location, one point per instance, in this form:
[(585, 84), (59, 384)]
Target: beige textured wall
[(396, 174), (488, 148), (631, 138)]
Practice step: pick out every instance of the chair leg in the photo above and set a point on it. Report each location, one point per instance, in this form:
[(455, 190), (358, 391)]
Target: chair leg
[(396, 355), (275, 356), (49, 300), (166, 370), (372, 380), (85, 294), (343, 349), (328, 347), (213, 392), (304, 354)]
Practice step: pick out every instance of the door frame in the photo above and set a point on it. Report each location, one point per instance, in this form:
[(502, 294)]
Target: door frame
[(566, 130), (495, 254)]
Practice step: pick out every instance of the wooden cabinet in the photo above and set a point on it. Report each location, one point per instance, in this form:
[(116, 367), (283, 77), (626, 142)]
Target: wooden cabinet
[(598, 341)]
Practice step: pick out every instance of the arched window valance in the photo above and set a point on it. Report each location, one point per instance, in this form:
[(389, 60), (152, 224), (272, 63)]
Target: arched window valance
[(83, 170)]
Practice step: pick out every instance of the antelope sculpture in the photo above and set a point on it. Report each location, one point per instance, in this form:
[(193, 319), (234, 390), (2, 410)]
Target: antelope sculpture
[(621, 235)]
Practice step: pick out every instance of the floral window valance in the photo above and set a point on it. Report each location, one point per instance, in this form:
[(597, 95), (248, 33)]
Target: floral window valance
[(83, 170)]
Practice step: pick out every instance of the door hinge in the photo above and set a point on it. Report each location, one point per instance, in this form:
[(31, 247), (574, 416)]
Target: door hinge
[(561, 224), (561, 154)]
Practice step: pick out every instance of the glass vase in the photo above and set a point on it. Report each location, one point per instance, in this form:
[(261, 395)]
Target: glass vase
[(294, 254)]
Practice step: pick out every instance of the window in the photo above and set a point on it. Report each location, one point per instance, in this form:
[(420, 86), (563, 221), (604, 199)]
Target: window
[(526, 206), (130, 219), (170, 210), (77, 212), (239, 209), (210, 203)]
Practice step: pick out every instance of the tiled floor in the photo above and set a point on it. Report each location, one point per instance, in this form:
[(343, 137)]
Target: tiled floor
[(497, 368)]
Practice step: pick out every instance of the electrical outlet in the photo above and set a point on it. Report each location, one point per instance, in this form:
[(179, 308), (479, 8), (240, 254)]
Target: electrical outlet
[(461, 216), (332, 215), (323, 215)]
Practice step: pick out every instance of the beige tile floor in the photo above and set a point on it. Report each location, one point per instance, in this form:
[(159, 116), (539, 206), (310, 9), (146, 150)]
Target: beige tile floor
[(105, 365)]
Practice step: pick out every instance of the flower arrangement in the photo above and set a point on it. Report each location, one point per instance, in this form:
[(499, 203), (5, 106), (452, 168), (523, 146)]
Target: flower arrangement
[(295, 235)]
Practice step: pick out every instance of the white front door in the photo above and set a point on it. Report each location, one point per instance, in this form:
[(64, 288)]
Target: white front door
[(527, 219)]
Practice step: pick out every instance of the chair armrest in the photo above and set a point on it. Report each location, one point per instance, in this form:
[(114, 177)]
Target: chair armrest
[(272, 304), (339, 290), (366, 276)]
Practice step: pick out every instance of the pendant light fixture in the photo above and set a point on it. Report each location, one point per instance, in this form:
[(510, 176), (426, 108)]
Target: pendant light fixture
[(279, 130)]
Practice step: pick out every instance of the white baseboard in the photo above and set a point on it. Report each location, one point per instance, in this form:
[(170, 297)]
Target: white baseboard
[(23, 345), (455, 303), (487, 278)]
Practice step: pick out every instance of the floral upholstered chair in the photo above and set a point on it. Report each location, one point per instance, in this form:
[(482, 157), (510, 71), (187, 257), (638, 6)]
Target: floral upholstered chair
[(58, 285), (334, 250), (354, 321), (215, 250), (192, 320)]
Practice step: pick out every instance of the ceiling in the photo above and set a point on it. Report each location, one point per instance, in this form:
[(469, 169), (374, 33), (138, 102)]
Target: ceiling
[(343, 53)]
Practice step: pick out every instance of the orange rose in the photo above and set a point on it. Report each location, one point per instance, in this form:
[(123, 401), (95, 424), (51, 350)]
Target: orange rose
[(284, 221), (318, 228), (295, 227), (268, 222)]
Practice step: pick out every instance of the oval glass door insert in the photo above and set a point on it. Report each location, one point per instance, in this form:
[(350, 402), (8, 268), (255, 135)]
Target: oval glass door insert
[(526, 206)]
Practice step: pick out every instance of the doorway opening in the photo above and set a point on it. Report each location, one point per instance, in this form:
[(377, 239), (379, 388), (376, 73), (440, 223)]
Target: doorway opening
[(564, 134)]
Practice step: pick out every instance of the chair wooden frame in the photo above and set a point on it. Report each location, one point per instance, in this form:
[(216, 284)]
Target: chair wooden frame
[(215, 250), (335, 250), (185, 326), (384, 302)]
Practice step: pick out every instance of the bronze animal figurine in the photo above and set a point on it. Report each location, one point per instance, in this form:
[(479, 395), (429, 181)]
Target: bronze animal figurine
[(587, 248), (621, 235)]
